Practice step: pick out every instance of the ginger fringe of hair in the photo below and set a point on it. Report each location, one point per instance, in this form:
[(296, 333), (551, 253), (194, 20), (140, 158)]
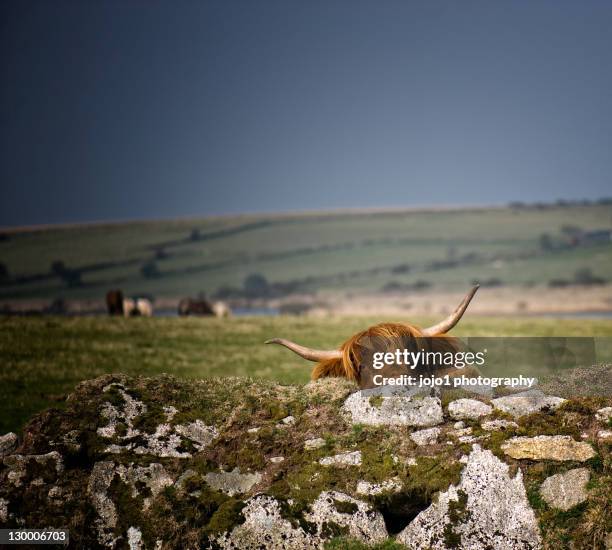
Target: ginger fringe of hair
[(348, 365)]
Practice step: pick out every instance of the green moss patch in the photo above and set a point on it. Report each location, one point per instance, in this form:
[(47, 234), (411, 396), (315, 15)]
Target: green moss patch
[(346, 543), (345, 506), (377, 401)]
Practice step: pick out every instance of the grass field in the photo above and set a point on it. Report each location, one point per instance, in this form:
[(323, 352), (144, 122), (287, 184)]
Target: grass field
[(43, 358), (313, 252)]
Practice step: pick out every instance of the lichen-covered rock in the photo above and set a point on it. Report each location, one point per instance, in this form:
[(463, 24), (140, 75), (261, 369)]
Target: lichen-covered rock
[(159, 462), (605, 435), (352, 516), (393, 410), (265, 527), (458, 432), (36, 467), (351, 458), (153, 478), (468, 409), (498, 424), (134, 538), (315, 443), (470, 438), (198, 432), (604, 414), (487, 509), (232, 483), (8, 443), (124, 413), (525, 403), (428, 436), (163, 442), (548, 447), (287, 421), (332, 513), (101, 477), (388, 486), (566, 490)]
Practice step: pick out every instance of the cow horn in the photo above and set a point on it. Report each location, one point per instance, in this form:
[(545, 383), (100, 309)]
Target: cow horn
[(316, 355), (444, 326)]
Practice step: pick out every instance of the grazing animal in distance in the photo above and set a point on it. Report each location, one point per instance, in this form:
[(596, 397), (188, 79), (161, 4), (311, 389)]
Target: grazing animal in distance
[(189, 306), (346, 362), (144, 307), (221, 309), (202, 307), (137, 307), (114, 302), (129, 307)]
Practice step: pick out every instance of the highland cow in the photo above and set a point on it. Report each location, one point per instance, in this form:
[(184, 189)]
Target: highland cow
[(349, 361)]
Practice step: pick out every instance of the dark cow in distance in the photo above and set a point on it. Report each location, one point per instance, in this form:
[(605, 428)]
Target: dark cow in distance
[(189, 306), (114, 302), (202, 307)]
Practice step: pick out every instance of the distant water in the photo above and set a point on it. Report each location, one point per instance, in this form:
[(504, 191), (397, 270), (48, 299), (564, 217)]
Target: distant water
[(271, 311), (236, 312), (256, 311)]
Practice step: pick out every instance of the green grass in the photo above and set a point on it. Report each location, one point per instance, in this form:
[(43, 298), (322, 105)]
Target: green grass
[(333, 250), (43, 358)]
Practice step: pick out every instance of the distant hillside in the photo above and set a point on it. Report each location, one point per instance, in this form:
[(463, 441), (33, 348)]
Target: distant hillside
[(374, 251)]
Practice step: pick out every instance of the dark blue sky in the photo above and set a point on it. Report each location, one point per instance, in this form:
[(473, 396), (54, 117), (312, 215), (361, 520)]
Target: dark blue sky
[(115, 110)]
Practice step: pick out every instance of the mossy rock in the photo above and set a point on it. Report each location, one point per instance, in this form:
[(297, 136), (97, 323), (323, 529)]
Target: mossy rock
[(134, 453)]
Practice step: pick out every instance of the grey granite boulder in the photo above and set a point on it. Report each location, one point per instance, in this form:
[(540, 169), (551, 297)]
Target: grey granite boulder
[(487, 509), (315, 443), (566, 490), (525, 403), (351, 458), (265, 527), (468, 409), (498, 424), (393, 410), (388, 486), (357, 518), (428, 436), (232, 483), (548, 447), (20, 467)]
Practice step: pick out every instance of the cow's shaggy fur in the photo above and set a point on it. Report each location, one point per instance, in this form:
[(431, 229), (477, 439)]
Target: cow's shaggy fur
[(394, 336)]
